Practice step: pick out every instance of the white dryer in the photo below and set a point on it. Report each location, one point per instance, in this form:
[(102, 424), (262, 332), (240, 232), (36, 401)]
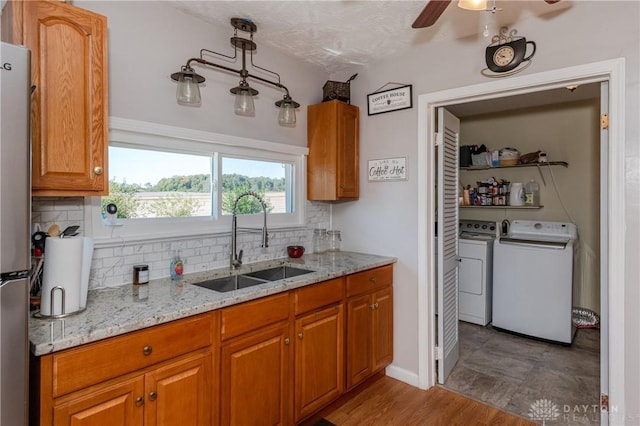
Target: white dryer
[(533, 280), (475, 273)]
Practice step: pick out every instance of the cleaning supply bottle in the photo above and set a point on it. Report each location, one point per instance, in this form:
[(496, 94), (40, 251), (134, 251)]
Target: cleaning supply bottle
[(532, 193), (177, 267)]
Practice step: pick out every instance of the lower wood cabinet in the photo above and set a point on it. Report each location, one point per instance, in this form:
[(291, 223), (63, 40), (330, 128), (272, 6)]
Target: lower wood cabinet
[(255, 378), (275, 360), (177, 393), (180, 393), (162, 375), (119, 404), (319, 360), (369, 323), (255, 362)]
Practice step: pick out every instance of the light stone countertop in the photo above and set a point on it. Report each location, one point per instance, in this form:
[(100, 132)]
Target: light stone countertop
[(118, 310)]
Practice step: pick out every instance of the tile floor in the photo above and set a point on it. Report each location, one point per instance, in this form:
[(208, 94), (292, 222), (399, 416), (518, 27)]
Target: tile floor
[(512, 373)]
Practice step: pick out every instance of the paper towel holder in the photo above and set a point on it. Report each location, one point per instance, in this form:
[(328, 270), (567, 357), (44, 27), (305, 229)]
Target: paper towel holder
[(39, 314)]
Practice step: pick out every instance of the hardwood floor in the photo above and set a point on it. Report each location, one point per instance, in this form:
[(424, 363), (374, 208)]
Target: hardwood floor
[(387, 401)]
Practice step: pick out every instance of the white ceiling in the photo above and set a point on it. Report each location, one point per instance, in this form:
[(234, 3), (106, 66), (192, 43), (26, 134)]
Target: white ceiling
[(335, 34)]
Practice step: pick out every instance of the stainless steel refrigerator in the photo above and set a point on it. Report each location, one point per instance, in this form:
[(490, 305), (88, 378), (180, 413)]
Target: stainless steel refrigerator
[(15, 226)]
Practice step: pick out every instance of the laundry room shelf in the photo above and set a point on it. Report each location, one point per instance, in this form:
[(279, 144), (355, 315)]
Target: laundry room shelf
[(502, 207), (550, 163)]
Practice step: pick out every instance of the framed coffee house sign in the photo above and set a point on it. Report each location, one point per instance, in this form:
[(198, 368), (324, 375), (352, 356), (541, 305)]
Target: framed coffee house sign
[(389, 100)]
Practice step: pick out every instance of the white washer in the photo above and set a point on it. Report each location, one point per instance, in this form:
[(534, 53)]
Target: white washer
[(475, 275), (533, 280)]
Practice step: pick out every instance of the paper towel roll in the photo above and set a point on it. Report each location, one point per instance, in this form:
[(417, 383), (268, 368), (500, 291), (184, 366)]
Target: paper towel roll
[(87, 255), (67, 262)]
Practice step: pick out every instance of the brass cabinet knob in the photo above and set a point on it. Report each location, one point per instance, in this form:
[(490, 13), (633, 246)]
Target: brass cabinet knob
[(301, 335), (97, 170), (147, 350), (153, 396), (139, 401), (286, 341), (372, 306)]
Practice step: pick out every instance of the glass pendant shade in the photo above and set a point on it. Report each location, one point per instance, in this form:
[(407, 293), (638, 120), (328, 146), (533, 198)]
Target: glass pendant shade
[(473, 4), (188, 91), (244, 103), (287, 114)]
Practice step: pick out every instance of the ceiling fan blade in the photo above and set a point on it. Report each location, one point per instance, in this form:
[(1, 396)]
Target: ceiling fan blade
[(431, 13)]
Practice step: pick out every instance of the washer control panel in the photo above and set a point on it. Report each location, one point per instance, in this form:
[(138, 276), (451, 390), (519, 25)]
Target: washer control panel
[(543, 231)]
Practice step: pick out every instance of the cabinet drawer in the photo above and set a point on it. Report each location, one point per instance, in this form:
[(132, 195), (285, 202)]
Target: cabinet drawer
[(96, 362), (318, 295), (369, 280), (249, 316)]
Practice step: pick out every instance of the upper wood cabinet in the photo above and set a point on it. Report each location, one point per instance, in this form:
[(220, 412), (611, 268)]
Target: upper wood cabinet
[(333, 130), (69, 111)]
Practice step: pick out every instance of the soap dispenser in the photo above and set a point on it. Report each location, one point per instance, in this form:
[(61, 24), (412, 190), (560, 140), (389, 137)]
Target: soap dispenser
[(177, 266)]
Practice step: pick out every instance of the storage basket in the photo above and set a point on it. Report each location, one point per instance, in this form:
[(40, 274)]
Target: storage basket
[(337, 90)]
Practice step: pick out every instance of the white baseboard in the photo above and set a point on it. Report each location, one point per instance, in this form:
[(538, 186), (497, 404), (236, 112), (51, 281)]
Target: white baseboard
[(406, 376)]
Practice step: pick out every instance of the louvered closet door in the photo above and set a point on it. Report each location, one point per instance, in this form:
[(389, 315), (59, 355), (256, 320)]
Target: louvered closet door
[(448, 131)]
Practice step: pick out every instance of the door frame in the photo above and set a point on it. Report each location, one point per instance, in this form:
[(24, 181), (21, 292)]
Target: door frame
[(612, 71)]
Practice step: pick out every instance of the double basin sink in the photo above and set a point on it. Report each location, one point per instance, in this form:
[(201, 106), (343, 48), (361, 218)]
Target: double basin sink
[(250, 279)]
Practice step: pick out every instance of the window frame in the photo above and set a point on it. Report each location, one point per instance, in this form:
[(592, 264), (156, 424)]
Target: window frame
[(137, 134)]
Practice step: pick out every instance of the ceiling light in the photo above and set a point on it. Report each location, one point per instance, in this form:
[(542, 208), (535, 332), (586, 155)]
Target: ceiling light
[(473, 4), (244, 99), (188, 91), (287, 116)]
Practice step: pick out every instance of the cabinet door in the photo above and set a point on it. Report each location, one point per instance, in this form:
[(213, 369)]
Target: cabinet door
[(382, 329), (69, 104), (255, 378), (180, 393), (319, 371), (119, 404), (348, 157), (333, 161), (358, 339)]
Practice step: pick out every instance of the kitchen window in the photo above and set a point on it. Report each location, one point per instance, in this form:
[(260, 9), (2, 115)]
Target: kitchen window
[(170, 182)]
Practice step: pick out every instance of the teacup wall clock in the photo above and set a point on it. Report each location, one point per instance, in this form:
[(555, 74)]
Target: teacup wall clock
[(506, 53)]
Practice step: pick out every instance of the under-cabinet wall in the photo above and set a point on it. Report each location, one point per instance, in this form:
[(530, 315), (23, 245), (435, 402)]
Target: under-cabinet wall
[(568, 132), (113, 266)]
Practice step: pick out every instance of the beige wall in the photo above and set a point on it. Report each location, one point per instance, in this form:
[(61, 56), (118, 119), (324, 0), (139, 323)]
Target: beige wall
[(439, 62), (570, 133)]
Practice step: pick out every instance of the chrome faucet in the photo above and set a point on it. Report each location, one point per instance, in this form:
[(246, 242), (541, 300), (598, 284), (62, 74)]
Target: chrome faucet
[(236, 258)]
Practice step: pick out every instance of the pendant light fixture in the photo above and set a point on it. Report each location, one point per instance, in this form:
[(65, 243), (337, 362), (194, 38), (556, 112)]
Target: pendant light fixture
[(473, 4), (244, 99), (188, 91)]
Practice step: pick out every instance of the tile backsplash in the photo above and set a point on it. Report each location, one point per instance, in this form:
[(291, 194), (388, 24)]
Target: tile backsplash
[(113, 266)]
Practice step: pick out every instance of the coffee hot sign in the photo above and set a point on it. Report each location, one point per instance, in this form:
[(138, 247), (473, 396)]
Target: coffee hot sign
[(387, 169)]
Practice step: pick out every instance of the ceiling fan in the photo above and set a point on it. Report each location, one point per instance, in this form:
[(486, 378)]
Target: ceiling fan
[(434, 9)]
